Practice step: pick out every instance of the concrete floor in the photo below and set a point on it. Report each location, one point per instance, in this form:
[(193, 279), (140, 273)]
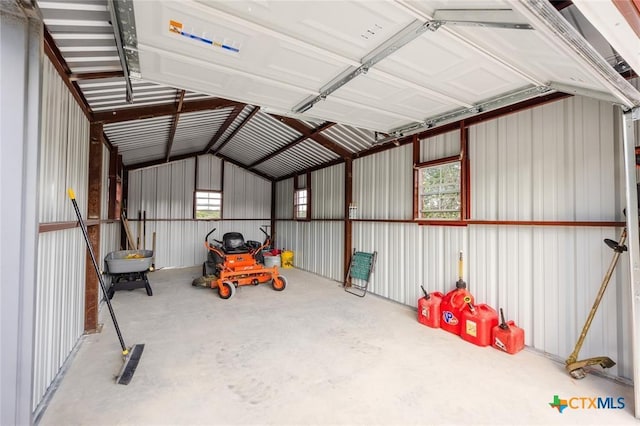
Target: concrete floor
[(311, 354)]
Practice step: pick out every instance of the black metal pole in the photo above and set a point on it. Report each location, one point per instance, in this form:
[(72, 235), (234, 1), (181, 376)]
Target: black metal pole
[(72, 195)]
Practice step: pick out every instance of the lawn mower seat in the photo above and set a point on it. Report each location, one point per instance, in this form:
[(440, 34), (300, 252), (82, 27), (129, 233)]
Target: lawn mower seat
[(233, 243)]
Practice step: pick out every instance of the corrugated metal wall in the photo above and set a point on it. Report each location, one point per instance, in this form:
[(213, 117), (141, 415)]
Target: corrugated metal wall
[(327, 193), (555, 162), (441, 146), (109, 232), (318, 246), (383, 184), (64, 155), (166, 192), (63, 150), (558, 162), (246, 196), (209, 173), (284, 199)]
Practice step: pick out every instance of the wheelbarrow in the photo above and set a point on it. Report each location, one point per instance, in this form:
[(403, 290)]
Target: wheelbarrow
[(128, 270)]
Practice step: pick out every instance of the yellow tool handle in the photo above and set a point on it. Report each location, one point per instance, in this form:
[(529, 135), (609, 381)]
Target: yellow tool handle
[(72, 195), (460, 266)]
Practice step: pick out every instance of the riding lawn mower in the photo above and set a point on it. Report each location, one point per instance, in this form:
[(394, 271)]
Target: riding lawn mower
[(233, 262)]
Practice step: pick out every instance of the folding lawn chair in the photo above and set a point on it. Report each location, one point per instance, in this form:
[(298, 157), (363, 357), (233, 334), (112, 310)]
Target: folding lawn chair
[(360, 268)]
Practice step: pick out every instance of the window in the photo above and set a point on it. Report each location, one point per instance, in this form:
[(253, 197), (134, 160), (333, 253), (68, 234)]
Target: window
[(301, 204), (208, 205), (439, 191)]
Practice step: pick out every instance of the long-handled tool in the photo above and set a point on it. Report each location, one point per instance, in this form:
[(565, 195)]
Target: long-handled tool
[(573, 366), (131, 355)]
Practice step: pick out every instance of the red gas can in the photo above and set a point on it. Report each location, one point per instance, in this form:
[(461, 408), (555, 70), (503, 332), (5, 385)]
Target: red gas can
[(429, 308), (507, 336), (451, 308), (478, 324)]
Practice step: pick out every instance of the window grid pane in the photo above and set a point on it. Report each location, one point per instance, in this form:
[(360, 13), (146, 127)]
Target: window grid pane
[(300, 204), (439, 192), (208, 205)]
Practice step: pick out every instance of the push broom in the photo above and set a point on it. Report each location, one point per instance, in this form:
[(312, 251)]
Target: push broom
[(131, 355)]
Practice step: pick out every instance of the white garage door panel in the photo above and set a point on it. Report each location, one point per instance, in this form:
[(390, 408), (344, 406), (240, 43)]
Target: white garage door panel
[(530, 52), (230, 45), (372, 90), (351, 29), (436, 60), (207, 78), (338, 110)]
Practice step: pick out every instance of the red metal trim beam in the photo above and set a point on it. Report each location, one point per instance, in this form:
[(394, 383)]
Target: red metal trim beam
[(95, 75), (160, 161), (93, 231), (312, 169), (322, 140), (630, 9), (138, 113), (174, 125), (242, 166), (230, 119)]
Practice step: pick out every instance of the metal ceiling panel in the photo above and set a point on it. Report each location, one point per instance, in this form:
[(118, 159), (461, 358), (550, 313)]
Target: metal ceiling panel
[(140, 140), (302, 156), (239, 119), (83, 33), (108, 94), (351, 138), (261, 136), (192, 96), (196, 129)]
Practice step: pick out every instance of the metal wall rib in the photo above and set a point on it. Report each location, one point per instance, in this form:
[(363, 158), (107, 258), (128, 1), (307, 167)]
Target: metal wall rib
[(327, 194), (383, 184), (209, 173), (441, 146), (64, 148), (284, 199), (318, 246)]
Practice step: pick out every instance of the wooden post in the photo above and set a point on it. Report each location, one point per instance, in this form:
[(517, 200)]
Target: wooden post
[(94, 197)]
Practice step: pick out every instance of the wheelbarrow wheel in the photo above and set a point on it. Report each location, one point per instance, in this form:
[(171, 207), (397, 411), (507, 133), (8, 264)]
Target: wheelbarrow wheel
[(279, 283), (226, 290)]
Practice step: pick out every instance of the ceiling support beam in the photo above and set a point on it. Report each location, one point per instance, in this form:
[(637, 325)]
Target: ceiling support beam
[(235, 132), (312, 169), (95, 75), (230, 119), (138, 113), (174, 125), (160, 161), (322, 140), (242, 166), (290, 145), (56, 58)]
